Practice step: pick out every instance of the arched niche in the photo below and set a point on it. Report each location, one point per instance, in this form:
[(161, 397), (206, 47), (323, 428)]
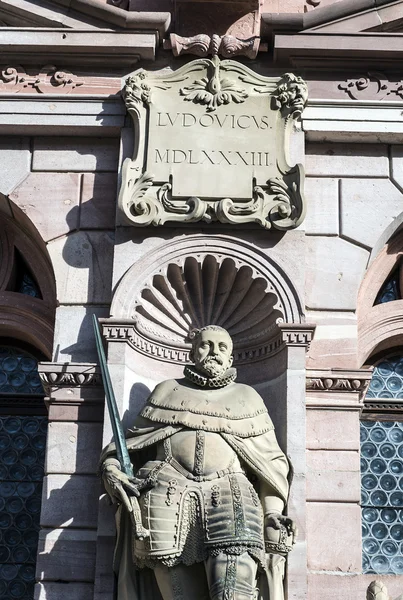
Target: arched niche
[(380, 326), (27, 311), (196, 281)]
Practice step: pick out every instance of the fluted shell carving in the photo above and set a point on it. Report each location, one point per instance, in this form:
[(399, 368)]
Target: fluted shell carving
[(207, 291)]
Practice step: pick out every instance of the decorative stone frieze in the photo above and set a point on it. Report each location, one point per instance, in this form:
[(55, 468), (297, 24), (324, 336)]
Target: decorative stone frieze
[(114, 331), (15, 79), (373, 86), (337, 388), (69, 375), (211, 145), (74, 391), (339, 384)]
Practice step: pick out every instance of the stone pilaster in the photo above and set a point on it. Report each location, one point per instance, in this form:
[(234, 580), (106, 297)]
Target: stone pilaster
[(67, 543), (334, 401)]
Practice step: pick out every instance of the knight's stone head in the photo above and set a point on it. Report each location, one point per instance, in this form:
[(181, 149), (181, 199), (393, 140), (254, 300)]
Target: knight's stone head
[(211, 350)]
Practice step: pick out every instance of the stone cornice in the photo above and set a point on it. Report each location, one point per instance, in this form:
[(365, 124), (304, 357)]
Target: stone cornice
[(350, 120), (321, 49), (36, 114), (320, 17), (114, 15), (84, 47), (286, 334), (293, 334)]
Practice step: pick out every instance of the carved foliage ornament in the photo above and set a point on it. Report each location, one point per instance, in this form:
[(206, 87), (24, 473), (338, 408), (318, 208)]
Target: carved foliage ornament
[(211, 144)]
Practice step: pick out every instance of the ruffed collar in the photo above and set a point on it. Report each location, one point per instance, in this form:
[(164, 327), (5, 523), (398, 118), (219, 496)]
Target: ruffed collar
[(209, 382)]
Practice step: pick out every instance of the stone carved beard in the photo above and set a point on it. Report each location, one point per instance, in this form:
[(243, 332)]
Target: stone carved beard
[(212, 366)]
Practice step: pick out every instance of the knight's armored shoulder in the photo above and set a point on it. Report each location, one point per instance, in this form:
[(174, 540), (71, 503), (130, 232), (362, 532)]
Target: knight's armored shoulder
[(246, 393), (163, 389)]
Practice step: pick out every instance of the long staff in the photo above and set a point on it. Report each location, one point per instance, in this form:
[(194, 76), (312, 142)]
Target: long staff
[(122, 453)]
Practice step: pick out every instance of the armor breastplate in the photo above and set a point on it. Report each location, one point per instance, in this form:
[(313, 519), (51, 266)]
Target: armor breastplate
[(200, 453)]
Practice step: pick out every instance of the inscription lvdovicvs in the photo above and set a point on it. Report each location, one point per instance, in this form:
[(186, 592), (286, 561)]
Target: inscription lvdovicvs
[(227, 121)]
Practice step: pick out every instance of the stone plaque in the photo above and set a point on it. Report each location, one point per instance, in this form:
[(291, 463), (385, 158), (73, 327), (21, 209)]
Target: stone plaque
[(210, 145)]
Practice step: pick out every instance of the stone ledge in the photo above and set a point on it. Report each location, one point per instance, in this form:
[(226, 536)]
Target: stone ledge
[(316, 49), (338, 389), (69, 374), (76, 46), (140, 20), (37, 115), (74, 391), (349, 121)]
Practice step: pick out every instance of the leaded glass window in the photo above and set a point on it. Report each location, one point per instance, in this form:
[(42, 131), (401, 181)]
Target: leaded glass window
[(390, 290), (387, 379), (22, 456), (23, 427), (382, 473), (18, 372), (382, 496)]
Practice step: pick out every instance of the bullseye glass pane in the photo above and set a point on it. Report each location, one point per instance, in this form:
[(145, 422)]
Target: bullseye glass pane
[(20, 501), (387, 380), (18, 372), (382, 493)]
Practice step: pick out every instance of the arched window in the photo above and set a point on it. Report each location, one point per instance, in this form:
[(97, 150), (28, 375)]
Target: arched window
[(23, 426), (27, 309), (381, 437)]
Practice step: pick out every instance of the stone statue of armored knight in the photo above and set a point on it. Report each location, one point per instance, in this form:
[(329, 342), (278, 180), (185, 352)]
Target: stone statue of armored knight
[(212, 486)]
